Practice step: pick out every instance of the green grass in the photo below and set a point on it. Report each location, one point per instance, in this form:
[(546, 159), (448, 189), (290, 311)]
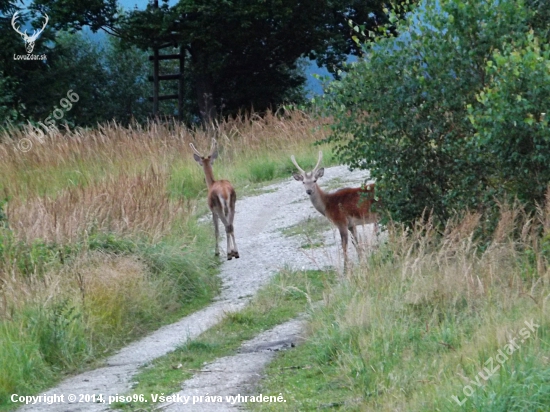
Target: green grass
[(264, 170), (306, 383), (310, 231), (48, 181), (72, 332), (248, 175), (74, 287), (288, 294), (255, 190), (187, 180), (416, 323)]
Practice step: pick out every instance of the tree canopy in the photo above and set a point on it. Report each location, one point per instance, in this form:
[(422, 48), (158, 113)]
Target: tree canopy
[(452, 113), (241, 53)]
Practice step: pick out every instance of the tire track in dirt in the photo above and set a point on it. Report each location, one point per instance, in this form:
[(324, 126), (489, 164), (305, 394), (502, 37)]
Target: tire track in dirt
[(235, 375), (264, 251)]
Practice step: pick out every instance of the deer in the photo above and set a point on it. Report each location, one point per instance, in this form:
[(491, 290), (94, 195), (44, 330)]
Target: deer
[(221, 199), (345, 208), (29, 40)]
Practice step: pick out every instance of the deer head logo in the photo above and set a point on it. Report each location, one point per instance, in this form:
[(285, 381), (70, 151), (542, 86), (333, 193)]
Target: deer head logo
[(29, 40)]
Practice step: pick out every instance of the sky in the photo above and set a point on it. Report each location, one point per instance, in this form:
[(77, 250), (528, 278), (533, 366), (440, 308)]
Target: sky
[(130, 4)]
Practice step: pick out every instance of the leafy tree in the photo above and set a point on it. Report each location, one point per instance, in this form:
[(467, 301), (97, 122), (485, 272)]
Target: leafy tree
[(539, 17), (109, 80), (402, 112), (8, 44), (510, 118), (75, 14), (126, 84), (241, 53), (14, 73)]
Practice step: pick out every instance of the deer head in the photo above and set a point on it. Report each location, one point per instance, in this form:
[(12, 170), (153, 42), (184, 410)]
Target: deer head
[(29, 40), (309, 179), (211, 157)]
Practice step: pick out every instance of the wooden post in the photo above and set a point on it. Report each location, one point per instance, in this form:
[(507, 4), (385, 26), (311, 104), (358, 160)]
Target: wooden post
[(180, 83), (155, 72), (156, 82)]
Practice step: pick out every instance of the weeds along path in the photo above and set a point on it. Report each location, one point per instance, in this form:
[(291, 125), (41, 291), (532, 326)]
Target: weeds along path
[(264, 251)]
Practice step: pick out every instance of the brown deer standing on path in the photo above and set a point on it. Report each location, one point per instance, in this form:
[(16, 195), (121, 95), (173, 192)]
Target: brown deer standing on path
[(345, 208), (221, 199)]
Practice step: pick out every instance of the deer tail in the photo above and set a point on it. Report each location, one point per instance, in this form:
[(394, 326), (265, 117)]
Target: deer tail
[(225, 208)]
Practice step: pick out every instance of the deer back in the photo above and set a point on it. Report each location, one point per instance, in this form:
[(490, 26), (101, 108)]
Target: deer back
[(351, 204)]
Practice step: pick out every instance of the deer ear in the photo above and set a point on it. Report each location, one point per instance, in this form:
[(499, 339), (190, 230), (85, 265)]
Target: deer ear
[(298, 176), (197, 158), (214, 156), (319, 173)]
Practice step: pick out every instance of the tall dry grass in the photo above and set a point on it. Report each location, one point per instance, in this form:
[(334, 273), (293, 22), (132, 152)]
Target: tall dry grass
[(138, 205), (415, 322), (99, 240), (82, 156)]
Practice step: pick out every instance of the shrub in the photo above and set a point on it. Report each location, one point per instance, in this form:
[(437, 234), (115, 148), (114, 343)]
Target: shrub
[(429, 111), (510, 118)]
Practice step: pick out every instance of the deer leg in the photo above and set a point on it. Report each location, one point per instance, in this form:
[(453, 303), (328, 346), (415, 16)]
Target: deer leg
[(230, 217), (229, 235), (217, 232), (355, 239), (228, 232), (235, 251), (344, 235)]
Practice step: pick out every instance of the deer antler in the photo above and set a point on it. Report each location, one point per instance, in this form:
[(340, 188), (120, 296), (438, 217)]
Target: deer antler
[(296, 164), (318, 161), (213, 147), (195, 150), (302, 170)]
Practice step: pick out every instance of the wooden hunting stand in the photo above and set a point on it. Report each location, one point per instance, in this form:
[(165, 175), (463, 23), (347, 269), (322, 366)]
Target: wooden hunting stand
[(157, 77)]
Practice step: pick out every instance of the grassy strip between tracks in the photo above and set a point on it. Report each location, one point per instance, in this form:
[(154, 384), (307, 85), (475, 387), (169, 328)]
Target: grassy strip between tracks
[(288, 295)]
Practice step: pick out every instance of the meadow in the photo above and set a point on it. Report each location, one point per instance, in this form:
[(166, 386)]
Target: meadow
[(99, 234), (101, 241), (431, 321)]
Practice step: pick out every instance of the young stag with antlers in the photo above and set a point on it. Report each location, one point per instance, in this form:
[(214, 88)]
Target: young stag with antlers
[(346, 207), (221, 199)]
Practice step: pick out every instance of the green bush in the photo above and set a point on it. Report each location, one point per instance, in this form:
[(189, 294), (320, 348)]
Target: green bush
[(511, 122), (432, 112), (108, 242)]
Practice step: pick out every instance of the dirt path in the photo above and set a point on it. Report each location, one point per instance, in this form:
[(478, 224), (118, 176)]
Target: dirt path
[(231, 376), (264, 251)]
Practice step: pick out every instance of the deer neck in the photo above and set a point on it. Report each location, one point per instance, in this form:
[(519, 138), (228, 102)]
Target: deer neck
[(318, 199), (208, 174)]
